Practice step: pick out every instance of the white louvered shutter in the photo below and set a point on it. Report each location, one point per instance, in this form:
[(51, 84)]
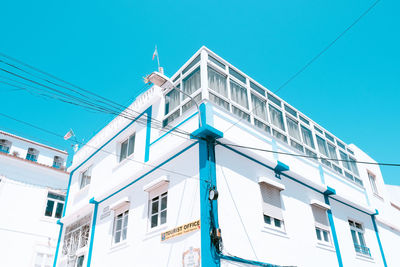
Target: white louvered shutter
[(271, 197), (320, 217)]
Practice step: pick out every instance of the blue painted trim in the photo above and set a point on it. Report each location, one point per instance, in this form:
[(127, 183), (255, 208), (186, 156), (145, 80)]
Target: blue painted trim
[(182, 122), (58, 243), (251, 262), (378, 238), (208, 210), (333, 229), (94, 219), (321, 174), (148, 128), (329, 191), (366, 197), (281, 167), (147, 173), (206, 131), (270, 168), (148, 111), (350, 206)]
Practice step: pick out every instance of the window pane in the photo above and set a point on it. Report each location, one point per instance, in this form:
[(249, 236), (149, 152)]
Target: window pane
[(217, 82), (263, 126), (311, 154), (267, 219), (293, 128), (79, 262), (326, 236), (353, 235), (124, 234), (361, 238), (219, 101), (277, 223), (216, 62), (171, 117), (124, 149), (296, 145), (332, 151), (190, 103), (240, 113), (194, 62), (55, 196), (154, 206), (163, 217), (318, 233), (59, 210), (239, 94), (307, 137), (274, 100), (353, 166), (257, 88), (322, 146), (304, 120), (191, 83), (172, 100), (49, 208), (164, 203), (290, 111), (276, 117), (238, 76), (345, 159), (118, 223), (117, 237), (280, 136), (131, 146), (154, 220), (259, 107)]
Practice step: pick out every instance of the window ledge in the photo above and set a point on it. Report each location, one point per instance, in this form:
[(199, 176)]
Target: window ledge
[(119, 246), (49, 219), (364, 257), (274, 231), (325, 246)]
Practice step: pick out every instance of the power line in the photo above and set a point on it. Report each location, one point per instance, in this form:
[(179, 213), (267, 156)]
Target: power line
[(97, 148), (307, 156), (328, 46), (315, 57)]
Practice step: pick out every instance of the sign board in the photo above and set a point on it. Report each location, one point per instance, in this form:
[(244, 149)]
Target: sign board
[(181, 230)]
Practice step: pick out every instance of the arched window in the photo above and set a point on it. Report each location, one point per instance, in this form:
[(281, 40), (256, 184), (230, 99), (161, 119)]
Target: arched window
[(5, 146), (58, 162), (32, 154)]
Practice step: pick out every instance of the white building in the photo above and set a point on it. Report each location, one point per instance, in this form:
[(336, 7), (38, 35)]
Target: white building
[(33, 181), (290, 192)]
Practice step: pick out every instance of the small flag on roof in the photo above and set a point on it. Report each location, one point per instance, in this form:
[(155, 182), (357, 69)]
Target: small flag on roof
[(69, 135), (155, 53)]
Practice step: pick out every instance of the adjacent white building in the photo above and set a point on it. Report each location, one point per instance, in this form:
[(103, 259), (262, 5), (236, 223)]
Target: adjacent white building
[(246, 179), (33, 182)]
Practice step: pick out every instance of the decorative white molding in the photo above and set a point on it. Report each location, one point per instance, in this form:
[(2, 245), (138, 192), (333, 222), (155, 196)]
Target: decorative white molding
[(271, 182), (156, 183), (320, 204)]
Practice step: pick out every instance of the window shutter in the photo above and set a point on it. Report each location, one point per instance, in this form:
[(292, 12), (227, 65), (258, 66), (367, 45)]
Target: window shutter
[(271, 201), (321, 220)]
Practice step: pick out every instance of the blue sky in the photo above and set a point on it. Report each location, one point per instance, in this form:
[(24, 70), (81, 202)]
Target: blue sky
[(106, 47)]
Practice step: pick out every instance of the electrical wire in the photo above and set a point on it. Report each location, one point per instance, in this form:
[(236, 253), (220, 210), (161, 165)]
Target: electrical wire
[(315, 57)]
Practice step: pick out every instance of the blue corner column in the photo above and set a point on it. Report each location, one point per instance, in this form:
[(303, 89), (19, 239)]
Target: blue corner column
[(378, 238), (94, 219), (207, 135), (330, 191)]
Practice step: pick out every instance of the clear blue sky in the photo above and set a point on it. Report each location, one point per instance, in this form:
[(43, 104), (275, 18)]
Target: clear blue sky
[(106, 47)]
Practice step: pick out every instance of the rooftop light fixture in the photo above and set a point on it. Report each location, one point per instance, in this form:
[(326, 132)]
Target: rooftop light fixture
[(164, 82)]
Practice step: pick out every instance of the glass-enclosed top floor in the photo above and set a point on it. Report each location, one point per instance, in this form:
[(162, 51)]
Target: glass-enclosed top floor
[(235, 92)]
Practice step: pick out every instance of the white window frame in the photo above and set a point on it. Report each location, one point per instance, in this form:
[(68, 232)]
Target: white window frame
[(271, 221), (358, 238), (128, 143), (56, 203), (85, 178), (322, 231), (124, 213), (372, 181), (158, 199)]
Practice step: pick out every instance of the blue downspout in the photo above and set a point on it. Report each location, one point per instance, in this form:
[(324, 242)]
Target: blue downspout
[(327, 193), (378, 238), (94, 219)]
